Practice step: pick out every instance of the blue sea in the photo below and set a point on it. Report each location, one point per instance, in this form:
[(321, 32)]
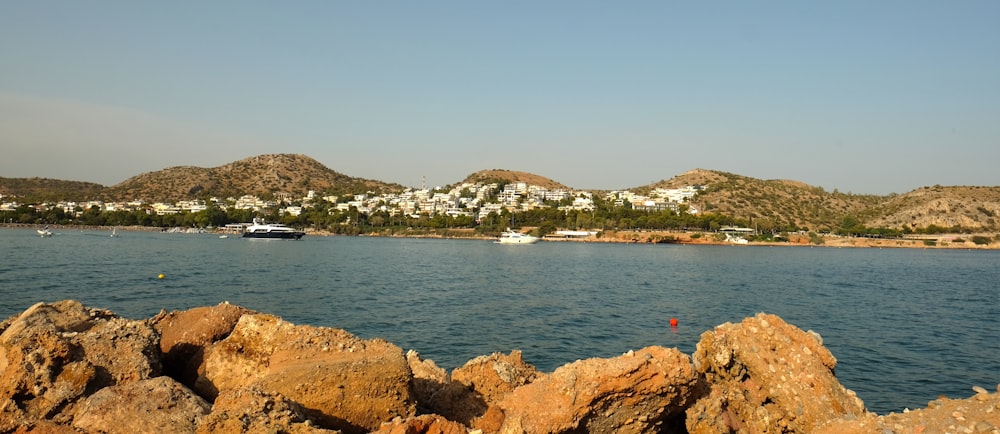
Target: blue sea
[(906, 325)]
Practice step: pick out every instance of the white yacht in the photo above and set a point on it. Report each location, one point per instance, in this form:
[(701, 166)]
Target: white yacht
[(512, 237), (271, 231)]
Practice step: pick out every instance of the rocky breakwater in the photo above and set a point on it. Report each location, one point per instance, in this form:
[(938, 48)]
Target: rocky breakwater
[(67, 368)]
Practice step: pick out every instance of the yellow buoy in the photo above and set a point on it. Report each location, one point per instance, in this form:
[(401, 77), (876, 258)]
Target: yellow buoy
[(160, 276)]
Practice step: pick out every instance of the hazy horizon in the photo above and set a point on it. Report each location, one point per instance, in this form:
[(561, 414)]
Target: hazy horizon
[(868, 98)]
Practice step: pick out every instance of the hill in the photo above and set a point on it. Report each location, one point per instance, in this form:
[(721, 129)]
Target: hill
[(944, 207), (500, 175), (33, 190), (269, 174), (770, 203), (784, 203)]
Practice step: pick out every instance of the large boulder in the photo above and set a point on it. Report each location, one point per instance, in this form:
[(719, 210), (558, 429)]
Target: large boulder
[(342, 382), (641, 391), (151, 406), (767, 376), (53, 354), (184, 335)]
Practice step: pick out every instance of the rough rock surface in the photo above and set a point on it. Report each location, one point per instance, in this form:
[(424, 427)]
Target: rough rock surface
[(45, 427), (53, 354), (437, 393), (496, 375), (428, 377), (341, 381), (979, 414), (184, 335), (639, 392), (423, 424), (252, 410), (467, 392), (151, 406), (767, 376), (65, 368)]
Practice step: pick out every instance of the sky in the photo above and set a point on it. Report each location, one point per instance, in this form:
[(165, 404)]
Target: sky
[(866, 97)]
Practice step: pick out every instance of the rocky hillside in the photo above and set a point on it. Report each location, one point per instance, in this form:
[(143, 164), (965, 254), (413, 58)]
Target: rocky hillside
[(499, 175), (270, 174), (784, 203), (967, 207), (771, 202), (45, 189)]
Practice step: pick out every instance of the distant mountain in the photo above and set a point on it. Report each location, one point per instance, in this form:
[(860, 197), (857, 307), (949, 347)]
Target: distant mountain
[(500, 175), (290, 174), (44, 189)]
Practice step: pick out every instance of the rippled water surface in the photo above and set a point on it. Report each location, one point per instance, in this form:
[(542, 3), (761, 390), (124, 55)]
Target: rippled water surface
[(906, 325)]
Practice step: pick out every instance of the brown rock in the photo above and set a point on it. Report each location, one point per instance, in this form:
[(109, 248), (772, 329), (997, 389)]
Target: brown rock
[(251, 410), (341, 381), (767, 376), (423, 424), (53, 354), (496, 375), (977, 414), (428, 377), (184, 335), (156, 405), (45, 427), (640, 392), (437, 393)]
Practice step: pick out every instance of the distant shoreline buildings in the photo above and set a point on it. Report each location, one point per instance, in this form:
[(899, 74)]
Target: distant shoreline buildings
[(468, 199)]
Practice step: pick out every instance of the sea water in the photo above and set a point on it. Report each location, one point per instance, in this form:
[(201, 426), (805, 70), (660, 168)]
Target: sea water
[(906, 325)]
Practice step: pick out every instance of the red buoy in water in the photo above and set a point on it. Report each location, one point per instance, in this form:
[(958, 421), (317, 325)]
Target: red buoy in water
[(673, 322)]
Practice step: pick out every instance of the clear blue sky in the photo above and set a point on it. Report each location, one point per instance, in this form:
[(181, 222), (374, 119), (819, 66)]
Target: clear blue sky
[(860, 96)]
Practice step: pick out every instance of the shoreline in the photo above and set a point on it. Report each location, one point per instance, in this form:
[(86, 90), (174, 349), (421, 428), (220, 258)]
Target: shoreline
[(940, 241), (685, 238)]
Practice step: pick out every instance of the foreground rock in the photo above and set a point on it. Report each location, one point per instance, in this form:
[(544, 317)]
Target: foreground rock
[(767, 376), (185, 335), (640, 392), (252, 409), (65, 368), (54, 354), (437, 393), (979, 414), (149, 406), (423, 424), (340, 381)]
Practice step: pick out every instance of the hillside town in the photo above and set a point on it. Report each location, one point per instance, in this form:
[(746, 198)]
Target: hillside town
[(467, 199)]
